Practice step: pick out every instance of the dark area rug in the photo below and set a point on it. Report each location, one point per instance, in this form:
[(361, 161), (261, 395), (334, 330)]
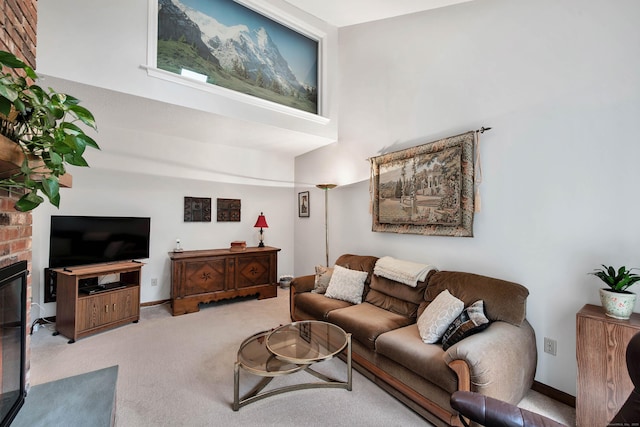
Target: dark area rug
[(82, 400)]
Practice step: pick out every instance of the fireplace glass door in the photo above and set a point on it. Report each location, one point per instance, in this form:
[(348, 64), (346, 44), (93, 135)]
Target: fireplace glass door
[(13, 284)]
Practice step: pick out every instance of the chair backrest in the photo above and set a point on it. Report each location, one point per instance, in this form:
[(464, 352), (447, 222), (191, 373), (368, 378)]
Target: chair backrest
[(629, 413)]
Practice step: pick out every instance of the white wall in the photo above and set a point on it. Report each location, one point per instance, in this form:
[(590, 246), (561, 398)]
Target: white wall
[(559, 84), (116, 193), (145, 173), (109, 42)]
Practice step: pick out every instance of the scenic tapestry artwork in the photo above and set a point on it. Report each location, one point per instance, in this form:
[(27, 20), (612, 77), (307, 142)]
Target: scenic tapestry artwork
[(426, 189), (226, 44)]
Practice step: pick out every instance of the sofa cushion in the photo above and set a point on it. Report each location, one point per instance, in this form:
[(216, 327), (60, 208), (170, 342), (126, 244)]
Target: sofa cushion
[(346, 285), (503, 300), (316, 305), (405, 346), (436, 318), (366, 322), (471, 321), (358, 262), (322, 279), (397, 297)]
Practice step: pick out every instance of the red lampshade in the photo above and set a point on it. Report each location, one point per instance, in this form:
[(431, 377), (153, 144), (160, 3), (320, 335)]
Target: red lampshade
[(262, 221)]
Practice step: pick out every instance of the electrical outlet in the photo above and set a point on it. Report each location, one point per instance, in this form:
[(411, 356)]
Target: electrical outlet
[(154, 282), (550, 346)]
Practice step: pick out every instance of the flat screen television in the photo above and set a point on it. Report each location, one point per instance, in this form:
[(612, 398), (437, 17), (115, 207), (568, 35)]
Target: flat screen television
[(81, 240)]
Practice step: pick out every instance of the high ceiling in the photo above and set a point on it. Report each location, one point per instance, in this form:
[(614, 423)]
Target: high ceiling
[(340, 13), (154, 117)]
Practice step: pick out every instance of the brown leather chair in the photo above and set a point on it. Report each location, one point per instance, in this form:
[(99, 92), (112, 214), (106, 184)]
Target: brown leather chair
[(491, 412)]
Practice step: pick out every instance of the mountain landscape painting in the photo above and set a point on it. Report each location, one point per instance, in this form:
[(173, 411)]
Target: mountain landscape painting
[(229, 45)]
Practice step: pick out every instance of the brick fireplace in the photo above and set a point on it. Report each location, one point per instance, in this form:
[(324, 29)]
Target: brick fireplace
[(18, 36)]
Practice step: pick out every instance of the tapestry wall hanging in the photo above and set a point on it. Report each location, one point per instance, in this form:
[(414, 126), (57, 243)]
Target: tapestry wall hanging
[(428, 189)]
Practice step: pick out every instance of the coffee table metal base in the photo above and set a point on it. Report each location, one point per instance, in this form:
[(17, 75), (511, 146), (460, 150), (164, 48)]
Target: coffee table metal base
[(255, 394)]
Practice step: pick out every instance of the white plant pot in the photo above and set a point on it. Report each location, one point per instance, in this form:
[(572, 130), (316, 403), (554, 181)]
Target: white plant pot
[(618, 305)]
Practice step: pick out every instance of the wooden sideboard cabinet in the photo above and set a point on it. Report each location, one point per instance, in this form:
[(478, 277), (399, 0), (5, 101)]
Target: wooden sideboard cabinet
[(204, 276), (603, 383), (79, 314)]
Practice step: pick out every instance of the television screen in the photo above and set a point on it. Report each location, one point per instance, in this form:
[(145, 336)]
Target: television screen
[(80, 240)]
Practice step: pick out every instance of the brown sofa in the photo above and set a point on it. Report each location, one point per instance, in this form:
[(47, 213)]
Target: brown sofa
[(498, 362)]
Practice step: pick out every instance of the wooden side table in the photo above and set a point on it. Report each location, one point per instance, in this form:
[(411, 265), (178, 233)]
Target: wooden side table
[(603, 383)]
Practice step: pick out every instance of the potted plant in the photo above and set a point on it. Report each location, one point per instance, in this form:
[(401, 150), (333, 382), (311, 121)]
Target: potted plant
[(617, 301), (44, 124)]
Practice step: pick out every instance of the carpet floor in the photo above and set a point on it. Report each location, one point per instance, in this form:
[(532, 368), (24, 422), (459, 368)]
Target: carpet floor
[(178, 371)]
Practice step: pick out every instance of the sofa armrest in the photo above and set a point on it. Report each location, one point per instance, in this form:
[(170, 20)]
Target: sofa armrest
[(501, 360), (302, 284), (299, 285)]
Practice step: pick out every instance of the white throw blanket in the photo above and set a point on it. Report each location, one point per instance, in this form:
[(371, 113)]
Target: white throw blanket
[(407, 272)]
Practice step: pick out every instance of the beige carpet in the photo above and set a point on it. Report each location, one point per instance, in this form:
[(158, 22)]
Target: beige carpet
[(178, 371)]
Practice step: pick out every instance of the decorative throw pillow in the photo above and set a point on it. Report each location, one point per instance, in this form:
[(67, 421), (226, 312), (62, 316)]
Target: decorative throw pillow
[(471, 321), (346, 285), (323, 276), (438, 315)]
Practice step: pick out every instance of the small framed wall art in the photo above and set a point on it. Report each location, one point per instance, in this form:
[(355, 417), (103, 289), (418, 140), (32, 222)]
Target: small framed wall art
[(197, 209), (303, 204), (229, 210)]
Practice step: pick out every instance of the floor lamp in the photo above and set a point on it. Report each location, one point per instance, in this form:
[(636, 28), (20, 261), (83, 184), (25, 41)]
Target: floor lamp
[(326, 188)]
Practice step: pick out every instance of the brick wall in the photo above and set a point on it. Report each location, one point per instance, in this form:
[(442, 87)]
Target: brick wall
[(19, 22), (15, 238), (18, 36), (15, 232)]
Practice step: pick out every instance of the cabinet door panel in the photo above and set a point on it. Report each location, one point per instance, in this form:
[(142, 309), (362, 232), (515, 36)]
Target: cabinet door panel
[(124, 303), (93, 312), (204, 276), (252, 271)]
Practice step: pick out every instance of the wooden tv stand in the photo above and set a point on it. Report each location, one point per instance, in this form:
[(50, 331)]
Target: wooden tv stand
[(204, 276), (79, 314)]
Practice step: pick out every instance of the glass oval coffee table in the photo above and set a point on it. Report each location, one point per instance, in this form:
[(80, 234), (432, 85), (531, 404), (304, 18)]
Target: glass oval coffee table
[(287, 349)]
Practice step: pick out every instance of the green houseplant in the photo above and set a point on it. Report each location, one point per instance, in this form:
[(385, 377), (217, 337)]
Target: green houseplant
[(616, 300), (45, 125)]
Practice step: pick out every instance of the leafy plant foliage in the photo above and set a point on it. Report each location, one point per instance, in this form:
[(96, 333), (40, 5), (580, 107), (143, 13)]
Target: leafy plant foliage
[(618, 280), (44, 124)]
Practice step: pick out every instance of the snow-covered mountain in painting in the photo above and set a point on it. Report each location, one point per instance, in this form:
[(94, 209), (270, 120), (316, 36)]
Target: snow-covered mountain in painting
[(244, 51)]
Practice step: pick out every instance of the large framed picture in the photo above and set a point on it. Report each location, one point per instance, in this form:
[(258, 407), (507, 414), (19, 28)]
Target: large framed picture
[(303, 204), (427, 189), (227, 44)]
